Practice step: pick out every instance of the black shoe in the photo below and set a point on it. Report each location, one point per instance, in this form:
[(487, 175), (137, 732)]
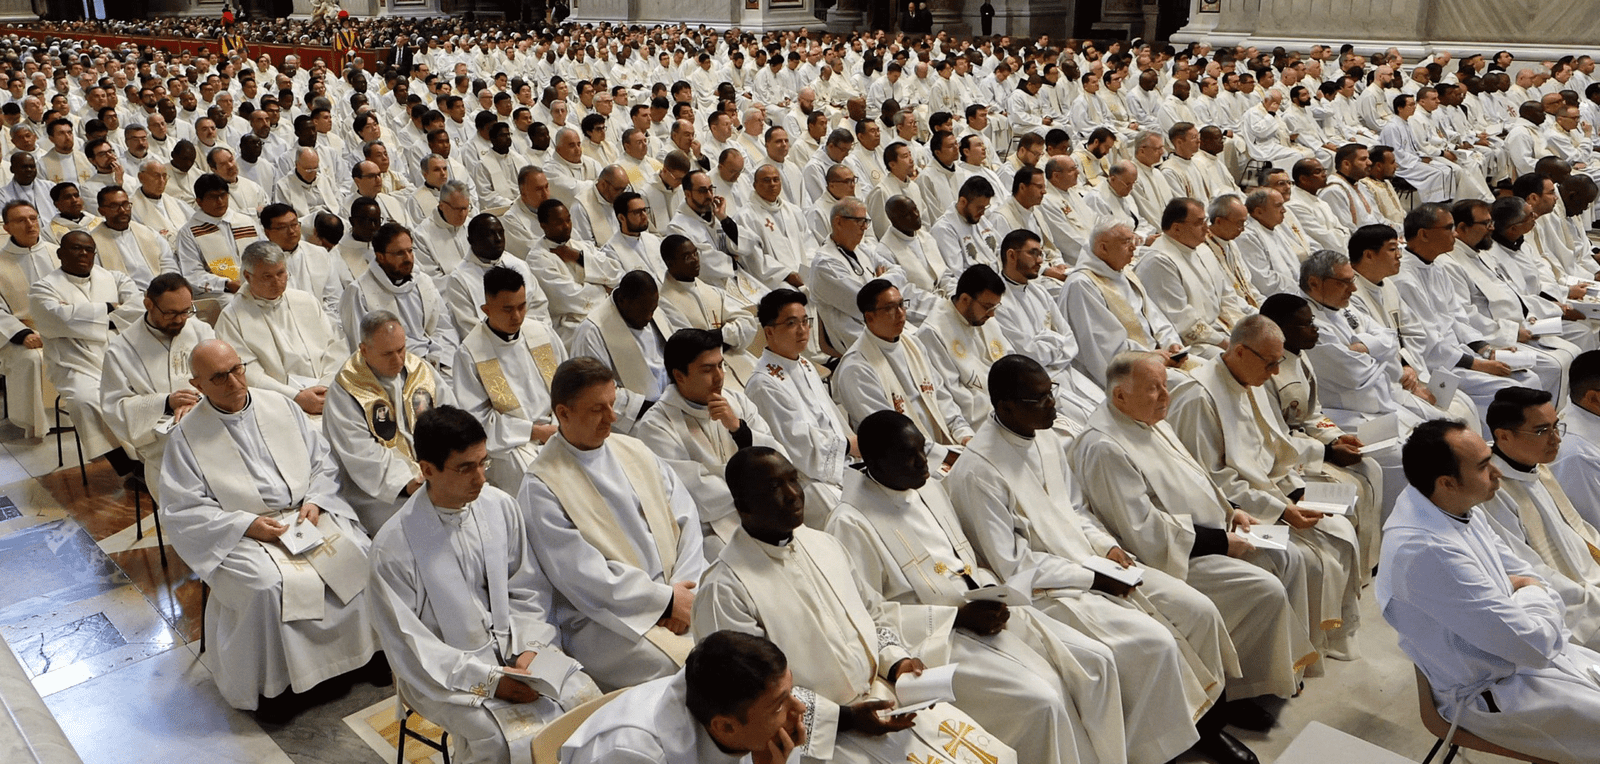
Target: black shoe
[(1247, 715), (377, 672), (279, 710), (1223, 748)]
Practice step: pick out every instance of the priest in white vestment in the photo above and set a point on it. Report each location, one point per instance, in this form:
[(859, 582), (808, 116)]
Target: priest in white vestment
[(22, 353), (441, 235), (1534, 515), (1185, 284), (734, 702), (462, 287), (1109, 308), (209, 245), (1160, 505), (286, 340), (390, 284), (888, 368), (698, 424), (628, 333), (572, 274), (618, 534), (77, 309), (243, 474), (1225, 419), (634, 247), (1033, 325), (371, 412), (799, 588), (144, 382), (1025, 514), (124, 244), (846, 261), (784, 242), (462, 606), (505, 366), (1578, 466), (153, 206), (1488, 634), (312, 268), (962, 340)]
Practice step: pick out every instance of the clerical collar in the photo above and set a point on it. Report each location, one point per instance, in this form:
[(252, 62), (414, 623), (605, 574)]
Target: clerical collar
[(1512, 463), (502, 335), (947, 167), (75, 219), (397, 279), (1347, 179), (1007, 429), (1514, 246)]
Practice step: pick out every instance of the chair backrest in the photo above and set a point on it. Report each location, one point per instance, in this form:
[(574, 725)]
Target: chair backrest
[(547, 742)]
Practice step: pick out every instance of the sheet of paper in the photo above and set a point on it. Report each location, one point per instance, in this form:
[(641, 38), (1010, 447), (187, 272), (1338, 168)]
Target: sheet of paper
[(1379, 432), (1545, 327), (1002, 594), (1518, 360), (1443, 385), (1588, 309), (1332, 498), (935, 685), (1113, 570), (300, 537), (1269, 536), (548, 672)]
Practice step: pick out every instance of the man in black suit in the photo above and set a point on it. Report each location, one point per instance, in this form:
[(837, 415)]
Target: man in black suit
[(402, 56)]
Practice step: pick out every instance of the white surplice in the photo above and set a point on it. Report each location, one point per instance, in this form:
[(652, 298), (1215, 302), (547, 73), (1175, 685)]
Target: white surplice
[(608, 607), (74, 316), (1445, 586), (878, 374), (524, 364), (648, 724), (462, 289), (254, 650), (142, 367), (456, 595), (287, 344), (792, 398), (430, 333), (1157, 501)]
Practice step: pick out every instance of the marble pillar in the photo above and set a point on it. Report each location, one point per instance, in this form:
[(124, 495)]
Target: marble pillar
[(947, 16), (846, 16)]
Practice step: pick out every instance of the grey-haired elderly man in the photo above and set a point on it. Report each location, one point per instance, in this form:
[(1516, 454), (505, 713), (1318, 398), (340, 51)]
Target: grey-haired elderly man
[(286, 340)]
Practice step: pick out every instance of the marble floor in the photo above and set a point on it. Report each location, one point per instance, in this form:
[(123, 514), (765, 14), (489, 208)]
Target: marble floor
[(109, 634)]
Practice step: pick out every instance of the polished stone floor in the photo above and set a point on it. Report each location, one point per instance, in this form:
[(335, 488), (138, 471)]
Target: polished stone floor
[(110, 637)]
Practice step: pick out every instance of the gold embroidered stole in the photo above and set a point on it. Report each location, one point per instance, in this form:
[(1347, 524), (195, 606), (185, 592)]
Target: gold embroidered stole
[(867, 346), (219, 247), (110, 254), (480, 344), (1119, 307), (382, 414)]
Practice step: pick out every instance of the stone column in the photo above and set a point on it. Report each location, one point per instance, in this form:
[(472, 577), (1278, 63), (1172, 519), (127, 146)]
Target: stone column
[(846, 16)]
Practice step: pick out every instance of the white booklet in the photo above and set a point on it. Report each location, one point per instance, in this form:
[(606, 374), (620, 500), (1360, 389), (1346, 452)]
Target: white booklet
[(1113, 570), (1518, 360), (1003, 594), (1443, 385), (1588, 309), (547, 672), (1545, 327), (301, 536), (1379, 432), (1332, 498), (914, 693), (1268, 536)]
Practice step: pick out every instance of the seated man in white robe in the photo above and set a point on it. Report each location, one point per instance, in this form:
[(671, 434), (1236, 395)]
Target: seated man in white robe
[(1181, 278), (1531, 512), (1033, 325), (617, 532), (690, 302), (707, 220), (627, 332), (888, 368), (699, 424), (144, 383), (1225, 419), (798, 587), (1488, 634), (286, 340), (634, 247), (1358, 360), (732, 703), (390, 284), (847, 260), (462, 287), (312, 268), (372, 410), (1578, 466), (505, 366), (908, 243), (77, 308), (1161, 506), (788, 392), (210, 242), (243, 475), (461, 604), (1108, 307), (966, 234), (22, 354), (308, 189), (572, 273), (67, 201), (783, 240), (907, 545), (127, 245), (962, 340), (1022, 508)]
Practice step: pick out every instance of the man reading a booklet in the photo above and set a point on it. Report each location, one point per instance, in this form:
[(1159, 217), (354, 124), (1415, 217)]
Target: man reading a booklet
[(462, 606), (1226, 420), (1049, 688)]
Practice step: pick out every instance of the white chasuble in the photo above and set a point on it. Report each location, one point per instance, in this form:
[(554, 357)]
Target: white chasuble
[(505, 384)]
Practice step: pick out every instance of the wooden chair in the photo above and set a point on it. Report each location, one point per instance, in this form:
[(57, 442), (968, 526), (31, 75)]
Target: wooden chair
[(1439, 728), (547, 743)]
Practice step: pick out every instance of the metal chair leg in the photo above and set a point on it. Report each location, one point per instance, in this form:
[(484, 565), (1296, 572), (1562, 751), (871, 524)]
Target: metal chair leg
[(61, 459), (1451, 756), (161, 543), (138, 519), (83, 469), (1435, 750), (205, 594)]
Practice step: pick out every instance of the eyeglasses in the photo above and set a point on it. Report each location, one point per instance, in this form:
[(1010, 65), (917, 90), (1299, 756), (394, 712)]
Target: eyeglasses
[(1349, 282), (1559, 428), (899, 305), (855, 219), (795, 323), (221, 377), (1257, 354), (464, 470), (1050, 397), (189, 311)]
